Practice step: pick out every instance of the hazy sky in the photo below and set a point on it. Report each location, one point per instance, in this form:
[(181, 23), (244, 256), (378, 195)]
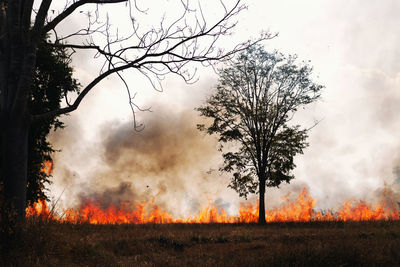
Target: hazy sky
[(353, 152)]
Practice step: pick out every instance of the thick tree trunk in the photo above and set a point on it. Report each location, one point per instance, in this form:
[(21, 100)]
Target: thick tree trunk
[(261, 209), (14, 137), (15, 159), (18, 47)]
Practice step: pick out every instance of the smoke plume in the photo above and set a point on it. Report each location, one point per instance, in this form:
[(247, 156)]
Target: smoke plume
[(168, 162)]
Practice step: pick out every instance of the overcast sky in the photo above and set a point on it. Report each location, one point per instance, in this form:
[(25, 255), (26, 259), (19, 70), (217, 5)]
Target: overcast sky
[(353, 152)]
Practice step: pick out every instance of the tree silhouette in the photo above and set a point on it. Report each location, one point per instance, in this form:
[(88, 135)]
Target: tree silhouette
[(254, 102)]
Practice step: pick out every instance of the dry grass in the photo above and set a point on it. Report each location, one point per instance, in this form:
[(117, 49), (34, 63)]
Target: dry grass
[(278, 244)]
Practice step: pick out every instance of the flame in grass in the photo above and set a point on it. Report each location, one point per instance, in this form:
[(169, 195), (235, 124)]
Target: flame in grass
[(91, 212), (300, 210), (41, 210)]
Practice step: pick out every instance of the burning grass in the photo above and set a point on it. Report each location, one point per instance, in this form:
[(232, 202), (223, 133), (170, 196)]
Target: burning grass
[(358, 234), (300, 210), (50, 243)]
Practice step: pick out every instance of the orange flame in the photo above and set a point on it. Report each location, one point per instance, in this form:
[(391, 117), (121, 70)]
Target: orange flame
[(47, 167), (301, 210), (41, 210)]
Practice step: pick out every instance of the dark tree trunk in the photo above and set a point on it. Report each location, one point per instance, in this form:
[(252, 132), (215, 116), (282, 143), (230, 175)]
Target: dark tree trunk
[(15, 159), (18, 47), (261, 210), (14, 137)]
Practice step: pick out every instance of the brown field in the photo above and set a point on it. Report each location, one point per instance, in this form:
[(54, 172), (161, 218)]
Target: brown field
[(275, 244)]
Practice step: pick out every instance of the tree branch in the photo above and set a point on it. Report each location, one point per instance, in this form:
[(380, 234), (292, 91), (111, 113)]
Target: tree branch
[(69, 10), (40, 19), (74, 106), (26, 15), (158, 52)]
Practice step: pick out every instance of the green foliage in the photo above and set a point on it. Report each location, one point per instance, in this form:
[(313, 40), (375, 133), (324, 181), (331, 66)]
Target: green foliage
[(52, 81), (255, 99)]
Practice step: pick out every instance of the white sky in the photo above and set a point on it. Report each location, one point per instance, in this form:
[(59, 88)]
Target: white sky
[(353, 47)]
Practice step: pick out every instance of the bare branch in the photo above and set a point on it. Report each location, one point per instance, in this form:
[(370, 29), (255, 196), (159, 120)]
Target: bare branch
[(68, 11), (136, 126), (40, 19), (154, 52)]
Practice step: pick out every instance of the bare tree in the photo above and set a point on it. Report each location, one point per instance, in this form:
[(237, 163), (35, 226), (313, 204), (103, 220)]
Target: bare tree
[(167, 46)]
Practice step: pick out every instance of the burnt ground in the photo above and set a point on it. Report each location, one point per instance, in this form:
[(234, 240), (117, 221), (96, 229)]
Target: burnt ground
[(275, 244)]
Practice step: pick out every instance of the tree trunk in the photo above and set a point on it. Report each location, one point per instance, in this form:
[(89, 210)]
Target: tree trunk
[(14, 137), (15, 161), (261, 209)]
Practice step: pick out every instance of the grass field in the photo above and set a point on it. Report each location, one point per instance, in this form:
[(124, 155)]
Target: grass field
[(275, 244)]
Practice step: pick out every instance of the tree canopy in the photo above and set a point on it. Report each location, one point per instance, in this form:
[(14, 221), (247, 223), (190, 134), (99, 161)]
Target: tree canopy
[(51, 82), (253, 106)]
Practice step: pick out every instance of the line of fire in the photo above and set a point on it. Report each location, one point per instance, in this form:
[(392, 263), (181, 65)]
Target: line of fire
[(300, 210)]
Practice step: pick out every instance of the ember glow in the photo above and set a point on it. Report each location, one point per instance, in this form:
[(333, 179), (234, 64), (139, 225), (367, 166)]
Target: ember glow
[(300, 210)]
